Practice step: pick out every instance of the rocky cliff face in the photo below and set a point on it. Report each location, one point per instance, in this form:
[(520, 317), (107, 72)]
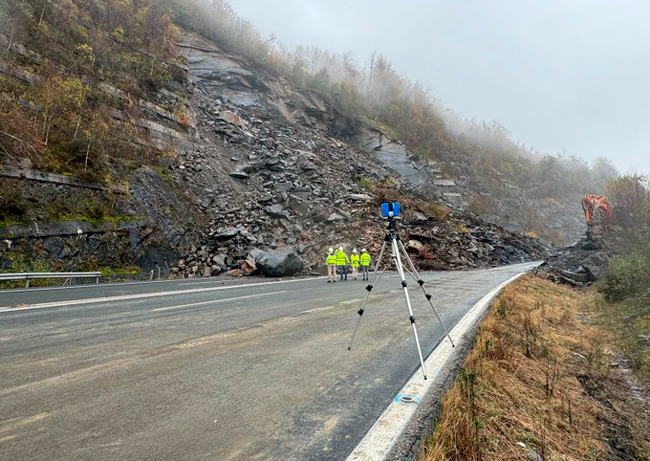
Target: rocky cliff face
[(280, 168), (262, 167)]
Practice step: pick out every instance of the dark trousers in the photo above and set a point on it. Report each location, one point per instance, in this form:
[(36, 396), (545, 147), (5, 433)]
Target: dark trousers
[(343, 270), (364, 272)]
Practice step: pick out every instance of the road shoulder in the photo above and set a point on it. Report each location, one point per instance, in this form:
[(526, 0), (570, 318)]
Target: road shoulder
[(542, 382), (396, 433)]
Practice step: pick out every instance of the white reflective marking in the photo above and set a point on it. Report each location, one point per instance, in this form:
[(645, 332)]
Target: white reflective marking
[(215, 301), (199, 283), (318, 309), (351, 301)]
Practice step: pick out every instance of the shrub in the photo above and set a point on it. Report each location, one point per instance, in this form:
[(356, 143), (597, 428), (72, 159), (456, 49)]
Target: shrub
[(482, 205), (365, 183), (12, 209), (628, 277), (440, 212)]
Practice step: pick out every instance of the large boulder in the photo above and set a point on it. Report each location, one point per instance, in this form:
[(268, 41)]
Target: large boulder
[(277, 263), (232, 118), (226, 233), (596, 264), (277, 211)]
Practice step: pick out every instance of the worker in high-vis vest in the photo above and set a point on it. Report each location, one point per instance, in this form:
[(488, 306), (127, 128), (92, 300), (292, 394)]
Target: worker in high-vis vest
[(354, 262), (342, 262), (365, 264), (330, 262)]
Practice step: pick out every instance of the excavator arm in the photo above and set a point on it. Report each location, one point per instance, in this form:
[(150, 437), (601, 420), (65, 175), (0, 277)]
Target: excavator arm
[(598, 211), (592, 204)]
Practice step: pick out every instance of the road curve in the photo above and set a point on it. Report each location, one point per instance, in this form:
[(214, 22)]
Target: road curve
[(198, 370)]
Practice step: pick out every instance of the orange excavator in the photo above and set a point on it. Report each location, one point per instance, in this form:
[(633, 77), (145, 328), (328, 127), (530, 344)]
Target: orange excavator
[(598, 212)]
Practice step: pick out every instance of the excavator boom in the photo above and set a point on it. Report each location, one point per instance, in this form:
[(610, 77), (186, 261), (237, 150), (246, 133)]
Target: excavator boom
[(591, 204), (598, 211)]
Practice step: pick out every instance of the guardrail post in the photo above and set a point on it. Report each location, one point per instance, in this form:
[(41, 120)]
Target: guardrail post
[(97, 280), (158, 267), (151, 276), (27, 285)]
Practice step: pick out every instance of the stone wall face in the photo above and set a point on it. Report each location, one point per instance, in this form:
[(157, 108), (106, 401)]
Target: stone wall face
[(66, 227)]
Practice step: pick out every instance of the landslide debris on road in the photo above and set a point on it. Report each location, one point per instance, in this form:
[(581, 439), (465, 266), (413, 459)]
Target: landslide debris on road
[(541, 383), (435, 238), (579, 264)]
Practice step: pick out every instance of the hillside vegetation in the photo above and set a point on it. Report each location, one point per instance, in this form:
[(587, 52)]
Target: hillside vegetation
[(55, 111), (626, 285)]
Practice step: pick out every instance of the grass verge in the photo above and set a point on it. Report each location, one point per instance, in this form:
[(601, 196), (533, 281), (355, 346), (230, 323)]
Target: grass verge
[(539, 384)]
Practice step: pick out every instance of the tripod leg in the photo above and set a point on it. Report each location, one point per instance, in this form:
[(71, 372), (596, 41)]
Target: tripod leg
[(411, 274), (424, 290), (400, 270), (375, 278)]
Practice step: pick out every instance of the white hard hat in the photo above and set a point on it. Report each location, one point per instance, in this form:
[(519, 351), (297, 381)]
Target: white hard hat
[(364, 250), (354, 251), (331, 250), (340, 248)]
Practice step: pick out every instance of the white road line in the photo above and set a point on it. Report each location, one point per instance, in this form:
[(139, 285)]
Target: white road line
[(384, 434), (216, 301), (159, 294), (317, 309), (199, 283), (351, 301), (88, 285)]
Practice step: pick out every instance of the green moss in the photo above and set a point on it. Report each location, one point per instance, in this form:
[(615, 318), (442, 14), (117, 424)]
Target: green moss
[(108, 272), (96, 221)]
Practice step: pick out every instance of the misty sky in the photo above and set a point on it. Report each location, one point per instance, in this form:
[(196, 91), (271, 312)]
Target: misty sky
[(561, 75)]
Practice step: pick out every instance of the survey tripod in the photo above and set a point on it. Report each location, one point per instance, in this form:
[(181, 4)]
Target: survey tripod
[(397, 250)]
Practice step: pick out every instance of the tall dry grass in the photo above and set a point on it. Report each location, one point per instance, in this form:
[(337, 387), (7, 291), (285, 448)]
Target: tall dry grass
[(519, 392)]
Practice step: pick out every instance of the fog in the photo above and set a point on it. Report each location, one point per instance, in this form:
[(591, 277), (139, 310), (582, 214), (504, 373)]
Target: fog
[(562, 75)]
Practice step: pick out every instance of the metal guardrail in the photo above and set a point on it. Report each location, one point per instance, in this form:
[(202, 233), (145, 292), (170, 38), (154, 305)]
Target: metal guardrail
[(50, 275)]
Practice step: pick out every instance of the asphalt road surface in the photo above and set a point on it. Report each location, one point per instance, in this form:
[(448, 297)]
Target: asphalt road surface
[(202, 370)]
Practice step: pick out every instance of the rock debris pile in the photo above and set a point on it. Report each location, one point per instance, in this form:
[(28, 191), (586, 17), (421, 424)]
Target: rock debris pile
[(277, 185), (579, 264)]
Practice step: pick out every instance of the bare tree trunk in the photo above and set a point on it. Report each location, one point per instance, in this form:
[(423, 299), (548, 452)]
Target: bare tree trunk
[(76, 130), (371, 70), (87, 153), (45, 119), (40, 20), (11, 38), (83, 101), (47, 132)]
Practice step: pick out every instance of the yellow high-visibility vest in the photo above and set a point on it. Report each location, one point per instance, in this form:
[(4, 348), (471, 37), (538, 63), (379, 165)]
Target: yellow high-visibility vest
[(354, 260)]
